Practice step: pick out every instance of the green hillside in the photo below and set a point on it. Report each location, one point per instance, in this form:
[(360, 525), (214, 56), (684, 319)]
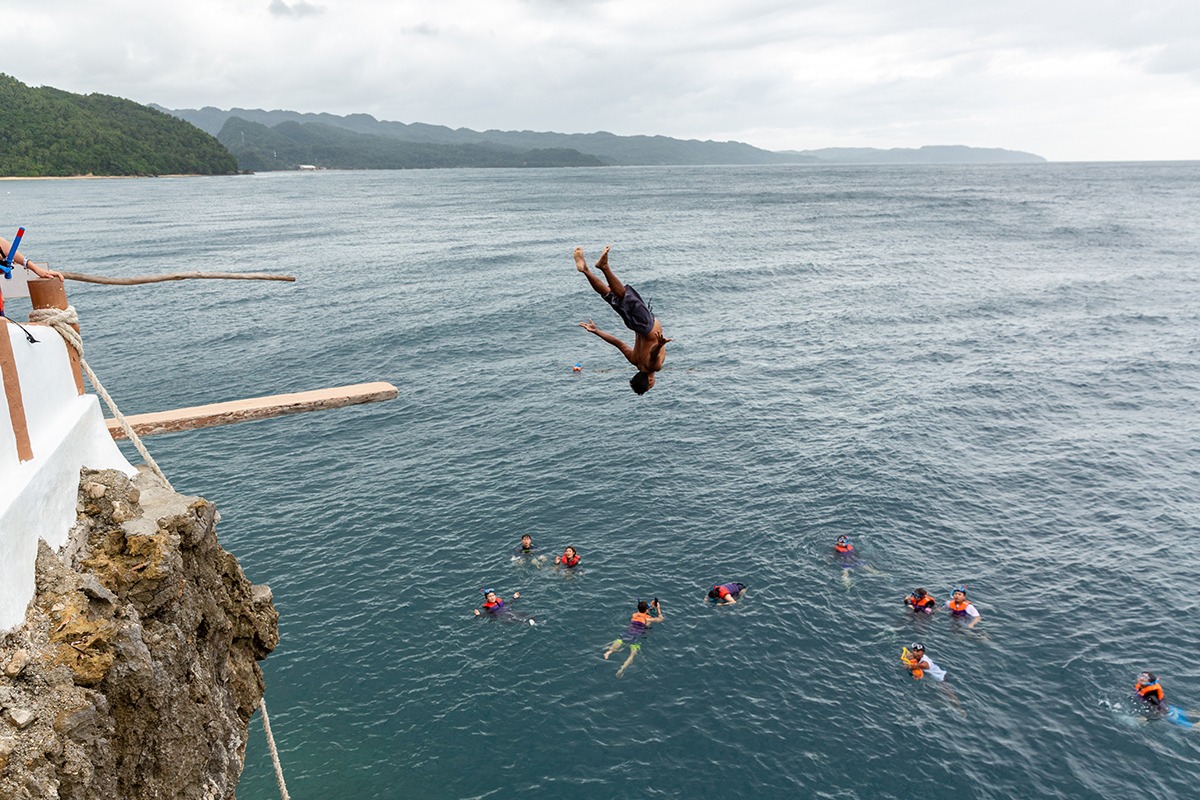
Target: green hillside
[(287, 144), (49, 132)]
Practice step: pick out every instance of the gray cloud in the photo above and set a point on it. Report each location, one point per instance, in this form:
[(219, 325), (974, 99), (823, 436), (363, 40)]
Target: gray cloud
[(296, 10)]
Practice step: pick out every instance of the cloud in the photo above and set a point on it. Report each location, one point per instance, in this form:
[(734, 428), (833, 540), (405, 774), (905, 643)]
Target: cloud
[(296, 10)]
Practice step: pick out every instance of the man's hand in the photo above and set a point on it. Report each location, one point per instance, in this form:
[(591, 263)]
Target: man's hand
[(589, 326), (663, 339)]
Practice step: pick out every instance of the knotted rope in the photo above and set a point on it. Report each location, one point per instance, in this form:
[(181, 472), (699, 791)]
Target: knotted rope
[(62, 321)]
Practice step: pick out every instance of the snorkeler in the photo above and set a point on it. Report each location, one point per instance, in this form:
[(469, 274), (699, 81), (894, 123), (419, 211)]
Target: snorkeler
[(727, 593), (961, 607), (847, 557), (569, 559), (639, 623), (921, 665), (921, 601), (1150, 690), (493, 603)]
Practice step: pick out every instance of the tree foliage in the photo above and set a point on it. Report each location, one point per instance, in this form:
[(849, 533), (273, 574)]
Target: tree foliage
[(49, 132), (288, 144)]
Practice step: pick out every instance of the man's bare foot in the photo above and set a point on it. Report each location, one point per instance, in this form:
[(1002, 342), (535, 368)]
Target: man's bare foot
[(580, 264), (607, 653), (602, 261)]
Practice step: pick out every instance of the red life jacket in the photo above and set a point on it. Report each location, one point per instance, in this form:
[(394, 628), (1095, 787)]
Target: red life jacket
[(489, 605), (844, 548), (570, 562)]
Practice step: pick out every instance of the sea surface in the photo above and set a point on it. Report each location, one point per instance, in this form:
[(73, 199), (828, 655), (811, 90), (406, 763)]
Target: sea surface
[(986, 375)]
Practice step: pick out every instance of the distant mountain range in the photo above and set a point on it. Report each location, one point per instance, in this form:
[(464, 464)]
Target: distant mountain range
[(273, 140)]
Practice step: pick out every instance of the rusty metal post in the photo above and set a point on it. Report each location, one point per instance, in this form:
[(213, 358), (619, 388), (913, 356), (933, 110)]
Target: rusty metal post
[(12, 391), (51, 293)]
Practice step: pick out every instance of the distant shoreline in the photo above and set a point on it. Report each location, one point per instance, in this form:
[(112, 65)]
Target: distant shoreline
[(91, 177)]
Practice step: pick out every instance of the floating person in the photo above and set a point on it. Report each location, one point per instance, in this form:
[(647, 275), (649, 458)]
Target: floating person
[(961, 607), (921, 665), (568, 560), (639, 624), (495, 606), (528, 552), (1150, 692), (647, 351), (577, 368), (727, 593), (921, 601), (848, 559)]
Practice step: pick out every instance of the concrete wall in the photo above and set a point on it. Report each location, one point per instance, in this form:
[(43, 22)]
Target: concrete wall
[(66, 432)]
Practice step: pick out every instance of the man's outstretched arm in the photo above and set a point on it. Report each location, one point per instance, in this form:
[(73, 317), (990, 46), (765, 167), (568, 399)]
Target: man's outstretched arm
[(626, 351)]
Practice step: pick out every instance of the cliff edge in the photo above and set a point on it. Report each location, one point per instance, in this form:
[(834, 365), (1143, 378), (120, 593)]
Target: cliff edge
[(135, 674)]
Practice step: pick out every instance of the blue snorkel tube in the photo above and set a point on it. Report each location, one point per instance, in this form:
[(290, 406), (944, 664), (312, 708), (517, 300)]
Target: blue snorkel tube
[(7, 264)]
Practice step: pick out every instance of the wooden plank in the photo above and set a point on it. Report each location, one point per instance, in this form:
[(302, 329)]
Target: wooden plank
[(277, 405)]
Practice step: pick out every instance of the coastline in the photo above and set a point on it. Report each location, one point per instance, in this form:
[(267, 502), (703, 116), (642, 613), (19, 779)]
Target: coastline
[(91, 177)]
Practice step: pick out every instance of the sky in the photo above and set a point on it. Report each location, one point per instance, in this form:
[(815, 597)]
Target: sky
[(1070, 80)]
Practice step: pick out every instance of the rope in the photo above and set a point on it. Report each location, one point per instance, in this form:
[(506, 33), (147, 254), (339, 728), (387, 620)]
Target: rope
[(61, 319), (262, 706)]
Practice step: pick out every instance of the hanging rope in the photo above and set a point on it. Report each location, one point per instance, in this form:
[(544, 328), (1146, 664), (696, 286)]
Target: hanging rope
[(262, 706), (61, 319)]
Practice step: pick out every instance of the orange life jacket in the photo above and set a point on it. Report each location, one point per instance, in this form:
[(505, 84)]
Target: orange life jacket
[(570, 562), (957, 608), (640, 618), (921, 603), (844, 548), (1147, 689)]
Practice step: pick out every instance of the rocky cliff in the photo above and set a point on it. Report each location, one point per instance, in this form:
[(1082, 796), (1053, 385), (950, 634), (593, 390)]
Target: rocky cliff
[(135, 674)]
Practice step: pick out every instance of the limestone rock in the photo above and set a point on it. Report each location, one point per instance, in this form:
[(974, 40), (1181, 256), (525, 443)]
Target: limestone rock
[(139, 676)]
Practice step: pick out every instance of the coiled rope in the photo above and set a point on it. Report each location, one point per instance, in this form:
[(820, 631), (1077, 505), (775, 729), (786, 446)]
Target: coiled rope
[(62, 321)]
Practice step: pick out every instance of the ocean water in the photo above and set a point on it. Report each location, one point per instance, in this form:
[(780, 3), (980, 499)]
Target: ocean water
[(984, 375)]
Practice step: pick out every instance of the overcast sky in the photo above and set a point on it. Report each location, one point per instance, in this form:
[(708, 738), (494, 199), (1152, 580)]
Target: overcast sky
[(1069, 80)]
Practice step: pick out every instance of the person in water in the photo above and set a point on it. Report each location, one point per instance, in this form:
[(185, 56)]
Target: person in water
[(647, 351), (1150, 691), (493, 603), (961, 607), (921, 602), (20, 260), (527, 551), (922, 666), (727, 593), (568, 560), (639, 624), (848, 558)]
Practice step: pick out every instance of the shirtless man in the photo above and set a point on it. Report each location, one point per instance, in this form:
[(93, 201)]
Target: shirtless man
[(647, 351)]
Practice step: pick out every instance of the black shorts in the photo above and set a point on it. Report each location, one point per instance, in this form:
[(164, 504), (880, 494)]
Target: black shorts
[(636, 315)]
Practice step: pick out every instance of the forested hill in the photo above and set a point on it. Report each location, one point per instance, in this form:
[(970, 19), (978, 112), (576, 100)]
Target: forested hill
[(396, 144), (49, 132)]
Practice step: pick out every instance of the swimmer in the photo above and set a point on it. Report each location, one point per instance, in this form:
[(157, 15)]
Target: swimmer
[(921, 665), (568, 560), (1151, 692), (727, 593), (639, 624), (493, 603), (528, 552), (848, 558), (921, 601), (961, 607)]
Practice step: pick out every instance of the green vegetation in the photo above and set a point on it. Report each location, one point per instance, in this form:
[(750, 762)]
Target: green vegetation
[(288, 144), (49, 132)]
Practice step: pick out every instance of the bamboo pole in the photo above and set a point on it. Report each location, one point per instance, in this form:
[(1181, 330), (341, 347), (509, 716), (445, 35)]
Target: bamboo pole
[(178, 276)]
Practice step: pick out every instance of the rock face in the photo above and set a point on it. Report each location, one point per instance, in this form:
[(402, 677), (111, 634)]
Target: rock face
[(135, 674)]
